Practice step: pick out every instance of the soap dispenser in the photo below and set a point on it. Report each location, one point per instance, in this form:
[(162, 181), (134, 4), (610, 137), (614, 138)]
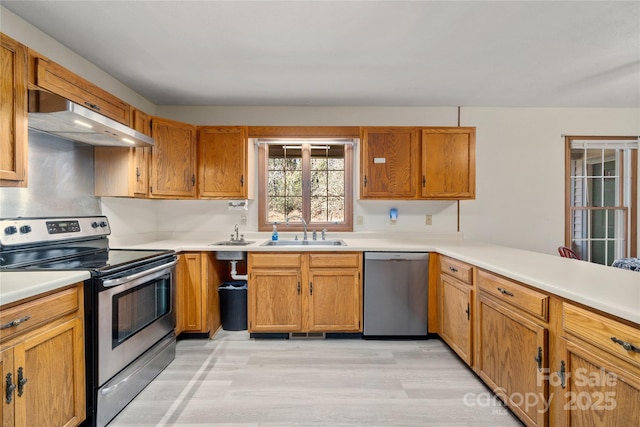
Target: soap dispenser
[(274, 234)]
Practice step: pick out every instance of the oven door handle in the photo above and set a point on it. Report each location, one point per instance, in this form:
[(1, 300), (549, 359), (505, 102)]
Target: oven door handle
[(160, 270)]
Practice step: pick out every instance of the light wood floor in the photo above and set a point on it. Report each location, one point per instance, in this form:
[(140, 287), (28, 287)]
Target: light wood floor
[(236, 381)]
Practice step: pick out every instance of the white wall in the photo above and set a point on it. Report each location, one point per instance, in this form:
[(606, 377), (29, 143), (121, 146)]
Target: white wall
[(20, 30)]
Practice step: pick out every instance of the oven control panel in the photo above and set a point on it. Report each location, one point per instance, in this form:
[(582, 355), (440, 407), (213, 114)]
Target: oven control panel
[(23, 231)]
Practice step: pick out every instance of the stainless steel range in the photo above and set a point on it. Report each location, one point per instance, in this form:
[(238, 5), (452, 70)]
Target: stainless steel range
[(129, 302)]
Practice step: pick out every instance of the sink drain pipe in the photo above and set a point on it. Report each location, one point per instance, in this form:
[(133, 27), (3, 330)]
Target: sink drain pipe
[(234, 272)]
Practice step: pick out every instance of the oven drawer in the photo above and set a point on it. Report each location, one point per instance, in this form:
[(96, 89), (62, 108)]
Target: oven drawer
[(29, 315)]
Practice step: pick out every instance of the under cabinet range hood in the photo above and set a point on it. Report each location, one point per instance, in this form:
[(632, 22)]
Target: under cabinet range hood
[(58, 116)]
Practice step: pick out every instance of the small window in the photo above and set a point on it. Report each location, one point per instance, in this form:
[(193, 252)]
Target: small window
[(310, 178), (601, 198)]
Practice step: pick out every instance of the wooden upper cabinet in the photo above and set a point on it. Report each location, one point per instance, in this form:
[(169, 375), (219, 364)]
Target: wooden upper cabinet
[(448, 163), (222, 162), (173, 160), (141, 122), (389, 162), (13, 114), (59, 80)]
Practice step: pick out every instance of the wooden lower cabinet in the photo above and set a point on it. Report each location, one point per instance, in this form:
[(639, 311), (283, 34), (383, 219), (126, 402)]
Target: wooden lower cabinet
[(596, 390), (305, 292), (198, 275), (275, 300), (45, 367), (455, 299), (509, 345)]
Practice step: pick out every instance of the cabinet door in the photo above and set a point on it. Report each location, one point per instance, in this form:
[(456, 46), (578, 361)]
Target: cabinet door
[(53, 365), (7, 412), (596, 391), (191, 316), (173, 159), (335, 299), (508, 347), (274, 301), (389, 163), (448, 163), (455, 316), (141, 122), (13, 114), (222, 162)]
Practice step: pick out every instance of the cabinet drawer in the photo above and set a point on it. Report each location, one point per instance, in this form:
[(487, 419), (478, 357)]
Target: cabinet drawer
[(63, 82), (38, 312), (600, 331), (350, 260), (457, 269), (528, 300), (274, 260)]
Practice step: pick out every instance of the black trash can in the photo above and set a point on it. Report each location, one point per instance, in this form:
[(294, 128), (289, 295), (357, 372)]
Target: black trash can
[(233, 305)]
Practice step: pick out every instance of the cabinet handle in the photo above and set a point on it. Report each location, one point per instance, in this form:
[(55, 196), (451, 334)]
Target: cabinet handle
[(10, 387), (455, 270), (137, 174), (91, 105), (505, 292), (298, 288), (310, 288), (467, 311), (15, 322), (538, 359), (365, 180), (561, 374), (241, 180), (193, 179), (424, 181), (21, 381), (626, 345)]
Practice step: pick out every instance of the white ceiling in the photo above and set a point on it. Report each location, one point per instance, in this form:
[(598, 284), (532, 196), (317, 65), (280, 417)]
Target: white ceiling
[(357, 53)]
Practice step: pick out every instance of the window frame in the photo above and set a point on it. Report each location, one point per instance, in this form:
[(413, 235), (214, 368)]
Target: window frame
[(630, 212), (308, 133)]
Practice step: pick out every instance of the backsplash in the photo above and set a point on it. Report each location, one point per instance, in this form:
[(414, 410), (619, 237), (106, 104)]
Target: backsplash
[(60, 181)]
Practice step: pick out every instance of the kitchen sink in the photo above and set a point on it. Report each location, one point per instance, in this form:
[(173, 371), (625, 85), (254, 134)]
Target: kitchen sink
[(304, 243), (232, 243)]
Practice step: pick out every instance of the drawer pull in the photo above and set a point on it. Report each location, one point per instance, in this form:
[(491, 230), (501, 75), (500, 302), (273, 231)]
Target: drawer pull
[(626, 345), (505, 292), (15, 323), (455, 270), (92, 105)]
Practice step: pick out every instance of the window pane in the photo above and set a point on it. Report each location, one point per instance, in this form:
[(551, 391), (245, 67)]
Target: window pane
[(336, 164), (293, 206), (293, 164), (597, 251), (336, 209), (318, 183), (293, 183), (336, 183), (275, 187), (598, 224), (319, 209), (318, 163), (276, 163), (276, 209)]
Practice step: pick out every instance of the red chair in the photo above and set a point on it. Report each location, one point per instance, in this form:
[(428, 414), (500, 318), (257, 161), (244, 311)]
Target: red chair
[(567, 253)]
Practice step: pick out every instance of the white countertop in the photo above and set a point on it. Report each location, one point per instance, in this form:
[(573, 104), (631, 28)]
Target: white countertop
[(611, 290), (15, 286)]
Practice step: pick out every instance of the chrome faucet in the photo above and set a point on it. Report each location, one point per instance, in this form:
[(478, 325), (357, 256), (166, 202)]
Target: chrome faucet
[(236, 230), (304, 224)]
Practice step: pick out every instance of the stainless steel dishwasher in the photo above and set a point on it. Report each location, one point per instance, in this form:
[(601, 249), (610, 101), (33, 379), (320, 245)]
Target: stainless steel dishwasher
[(396, 289)]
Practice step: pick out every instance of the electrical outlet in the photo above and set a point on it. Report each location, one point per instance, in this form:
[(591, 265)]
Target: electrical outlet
[(243, 219), (360, 220), (427, 219)]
